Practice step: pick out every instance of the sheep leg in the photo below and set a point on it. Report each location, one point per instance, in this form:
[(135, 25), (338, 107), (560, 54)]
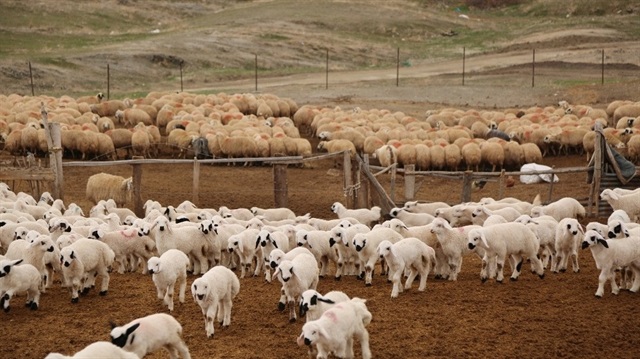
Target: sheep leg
[(226, 311), (368, 274), (339, 267), (574, 257), (259, 265), (636, 279), (209, 318), (292, 310), (485, 266), (5, 301), (168, 298), (105, 281), (396, 284), (33, 299), (183, 288), (324, 264), (182, 349), (283, 300), (516, 263), (500, 269), (602, 279), (614, 285), (413, 273), (363, 338)]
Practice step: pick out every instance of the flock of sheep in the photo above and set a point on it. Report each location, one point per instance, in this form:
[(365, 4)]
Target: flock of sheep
[(247, 125), (42, 239)]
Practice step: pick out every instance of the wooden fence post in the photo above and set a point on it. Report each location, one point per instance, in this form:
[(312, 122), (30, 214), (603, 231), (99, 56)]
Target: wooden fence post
[(54, 143), (398, 68), (137, 186), (196, 181), (33, 93), (280, 190), (349, 190), (108, 82), (464, 54), (533, 69), (466, 186), (551, 186), (363, 198), (409, 182), (256, 72), (326, 80)]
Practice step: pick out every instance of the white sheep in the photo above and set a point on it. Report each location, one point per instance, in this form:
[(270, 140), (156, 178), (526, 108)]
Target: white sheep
[(430, 208), (126, 244), (545, 229), (97, 350), (327, 225), (612, 254), (566, 207), (165, 271), (454, 245), (244, 245), (148, 334), (619, 214), (82, 262), (630, 202), (569, 234), (313, 304), (319, 244), (340, 238), (188, 239), (273, 214), (407, 255), (18, 278), (502, 241), (411, 219), (366, 244), (297, 275), (480, 214), (103, 186), (33, 249), (334, 331), (276, 257), (214, 292), (363, 215), (621, 229), (267, 242)]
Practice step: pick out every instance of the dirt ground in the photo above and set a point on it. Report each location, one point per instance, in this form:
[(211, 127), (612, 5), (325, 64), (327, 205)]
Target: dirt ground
[(557, 316)]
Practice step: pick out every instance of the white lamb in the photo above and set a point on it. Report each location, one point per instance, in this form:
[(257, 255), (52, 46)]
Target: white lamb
[(512, 240), (620, 229), (32, 250), (430, 208), (612, 254), (480, 214), (97, 350), (545, 229), (318, 244), (326, 225), (630, 202), (148, 334), (566, 207), (363, 215), (411, 219), (407, 255), (267, 242), (166, 270), (619, 214), (334, 331), (297, 275), (454, 245), (313, 304), (273, 214), (244, 245), (569, 234), (366, 245), (188, 239), (82, 262), (18, 278), (128, 246), (341, 237), (276, 257), (214, 292)]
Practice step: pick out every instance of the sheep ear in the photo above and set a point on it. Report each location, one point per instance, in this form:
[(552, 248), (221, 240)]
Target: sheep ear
[(72, 255), (447, 225), (603, 242), (257, 242), (112, 324), (16, 262), (484, 240), (276, 272), (323, 332), (325, 300), (313, 300), (275, 245)]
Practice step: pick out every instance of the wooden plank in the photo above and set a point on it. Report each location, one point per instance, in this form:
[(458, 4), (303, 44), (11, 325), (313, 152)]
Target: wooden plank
[(27, 175), (409, 183), (137, 190), (386, 204), (348, 180), (280, 189)]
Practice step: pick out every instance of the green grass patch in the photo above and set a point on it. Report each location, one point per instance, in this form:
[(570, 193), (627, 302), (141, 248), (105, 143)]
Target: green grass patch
[(274, 37)]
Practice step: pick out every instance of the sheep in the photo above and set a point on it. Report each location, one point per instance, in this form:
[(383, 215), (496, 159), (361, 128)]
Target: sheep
[(103, 186), (97, 350), (319, 244), (126, 244), (132, 116), (387, 155), (166, 270), (545, 229), (407, 255), (32, 250), (411, 219), (297, 275), (146, 335), (333, 332), (453, 243), (243, 245), (340, 237), (569, 234), (334, 146), (84, 260), (363, 215), (313, 304), (430, 208), (512, 240), (627, 110), (214, 292), (16, 278), (612, 254), (481, 213), (492, 154), (273, 214), (242, 214), (566, 207), (267, 242), (621, 229), (327, 225), (189, 239), (366, 244), (472, 156), (630, 203)]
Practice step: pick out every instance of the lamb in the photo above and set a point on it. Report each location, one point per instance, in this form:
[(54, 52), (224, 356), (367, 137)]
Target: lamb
[(103, 186), (363, 215), (366, 244), (32, 250), (621, 229), (243, 245), (545, 229), (16, 278), (411, 219), (513, 240), (267, 242), (214, 292), (566, 207), (430, 208), (340, 237), (126, 244), (454, 244), (481, 213), (630, 203), (327, 225), (407, 255), (151, 333), (318, 244), (97, 350), (273, 214), (188, 239), (333, 332), (313, 304), (297, 275), (569, 234), (612, 254), (166, 270), (83, 261)]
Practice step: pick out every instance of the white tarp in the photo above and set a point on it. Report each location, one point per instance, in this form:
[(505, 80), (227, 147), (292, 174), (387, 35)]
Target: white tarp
[(536, 178)]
